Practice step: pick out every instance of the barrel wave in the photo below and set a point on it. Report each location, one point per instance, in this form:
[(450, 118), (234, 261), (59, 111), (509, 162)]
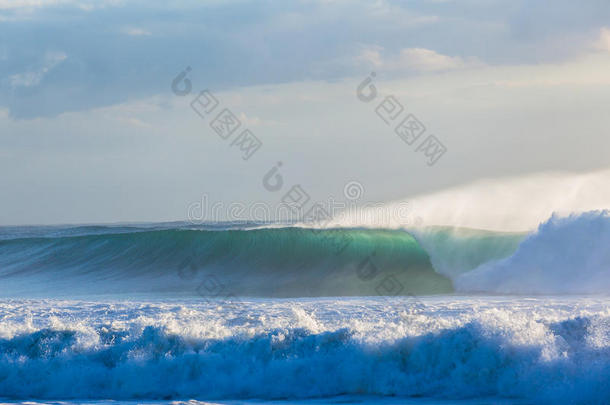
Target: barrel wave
[(270, 262), (564, 255)]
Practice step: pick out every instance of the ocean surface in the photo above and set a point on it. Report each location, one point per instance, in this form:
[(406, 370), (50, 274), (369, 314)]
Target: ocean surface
[(544, 350), (253, 314)]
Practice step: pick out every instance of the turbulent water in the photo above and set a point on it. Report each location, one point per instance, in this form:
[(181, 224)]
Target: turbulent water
[(176, 311), (543, 350)]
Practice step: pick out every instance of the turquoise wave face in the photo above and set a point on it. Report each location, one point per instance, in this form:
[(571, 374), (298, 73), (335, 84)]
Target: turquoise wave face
[(455, 251), (272, 262)]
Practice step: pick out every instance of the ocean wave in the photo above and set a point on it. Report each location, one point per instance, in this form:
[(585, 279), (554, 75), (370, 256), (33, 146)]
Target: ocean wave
[(286, 261), (566, 255), (445, 351)]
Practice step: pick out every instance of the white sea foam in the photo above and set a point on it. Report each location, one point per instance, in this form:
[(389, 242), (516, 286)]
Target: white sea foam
[(565, 255), (543, 350)]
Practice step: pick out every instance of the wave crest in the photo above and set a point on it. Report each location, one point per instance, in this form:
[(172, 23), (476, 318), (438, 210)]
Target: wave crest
[(568, 255)]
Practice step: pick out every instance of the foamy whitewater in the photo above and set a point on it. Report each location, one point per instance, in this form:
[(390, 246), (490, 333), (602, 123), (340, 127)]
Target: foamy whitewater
[(228, 313), (544, 350)]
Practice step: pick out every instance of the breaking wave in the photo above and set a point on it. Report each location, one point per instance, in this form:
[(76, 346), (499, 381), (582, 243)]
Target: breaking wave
[(445, 351), (272, 262), (565, 255)]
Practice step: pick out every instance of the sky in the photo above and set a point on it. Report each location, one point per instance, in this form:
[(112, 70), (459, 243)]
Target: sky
[(92, 130)]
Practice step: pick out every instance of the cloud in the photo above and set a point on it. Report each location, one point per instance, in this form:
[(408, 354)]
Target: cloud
[(34, 77), (36, 4), (427, 60), (244, 43), (160, 145), (255, 121), (414, 60), (17, 4), (371, 56), (603, 41)]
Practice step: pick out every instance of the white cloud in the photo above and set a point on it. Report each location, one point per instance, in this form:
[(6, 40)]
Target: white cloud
[(249, 121), (427, 60), (371, 56), (413, 59), (16, 4), (255, 121), (484, 126), (34, 4), (34, 77), (603, 41)]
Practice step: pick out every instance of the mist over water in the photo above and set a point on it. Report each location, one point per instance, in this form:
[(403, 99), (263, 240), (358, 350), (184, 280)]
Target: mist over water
[(511, 204)]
